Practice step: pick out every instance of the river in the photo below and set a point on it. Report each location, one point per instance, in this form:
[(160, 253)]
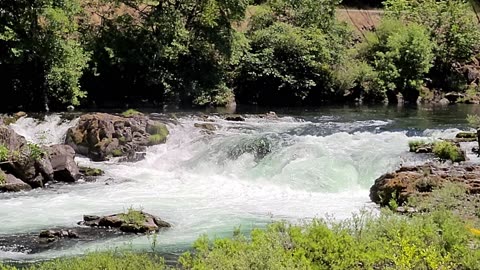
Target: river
[(308, 163)]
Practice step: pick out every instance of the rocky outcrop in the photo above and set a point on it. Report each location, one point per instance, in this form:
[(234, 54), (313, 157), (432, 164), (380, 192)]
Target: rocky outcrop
[(131, 222), (101, 136), (29, 166), (420, 180)]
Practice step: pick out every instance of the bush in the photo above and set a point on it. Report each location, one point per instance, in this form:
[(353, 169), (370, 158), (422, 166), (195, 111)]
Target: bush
[(415, 145), (4, 153), (400, 54), (448, 151), (438, 240), (452, 26), (35, 151), (294, 48)]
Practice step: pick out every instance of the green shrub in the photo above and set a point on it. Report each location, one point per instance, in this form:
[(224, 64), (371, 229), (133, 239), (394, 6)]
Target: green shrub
[(4, 153), (401, 55), (452, 26), (438, 240), (448, 151), (132, 216), (35, 151), (131, 113), (416, 144)]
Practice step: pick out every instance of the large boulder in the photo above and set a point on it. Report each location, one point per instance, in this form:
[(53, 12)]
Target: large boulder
[(101, 136), (9, 183), (62, 160), (420, 180)]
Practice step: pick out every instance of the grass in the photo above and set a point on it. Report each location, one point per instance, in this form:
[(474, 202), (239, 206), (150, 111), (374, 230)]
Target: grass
[(131, 113), (438, 239), (101, 261), (448, 151), (134, 217)]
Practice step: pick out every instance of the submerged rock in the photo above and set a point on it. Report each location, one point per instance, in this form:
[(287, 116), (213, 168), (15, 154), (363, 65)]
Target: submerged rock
[(101, 136), (54, 239), (408, 181), (235, 117), (131, 222)]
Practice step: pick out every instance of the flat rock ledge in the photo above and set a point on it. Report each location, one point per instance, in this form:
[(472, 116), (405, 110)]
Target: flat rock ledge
[(131, 222), (421, 180)]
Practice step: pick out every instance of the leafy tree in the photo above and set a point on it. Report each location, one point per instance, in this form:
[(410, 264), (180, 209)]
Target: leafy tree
[(400, 54), (41, 58), (453, 27), (168, 50), (294, 46)]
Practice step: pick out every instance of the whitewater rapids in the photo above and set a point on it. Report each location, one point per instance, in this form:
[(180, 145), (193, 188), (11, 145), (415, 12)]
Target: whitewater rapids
[(209, 184)]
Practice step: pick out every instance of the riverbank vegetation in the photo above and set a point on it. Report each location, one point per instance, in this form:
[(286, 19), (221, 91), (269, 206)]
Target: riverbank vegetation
[(442, 233), (54, 53)]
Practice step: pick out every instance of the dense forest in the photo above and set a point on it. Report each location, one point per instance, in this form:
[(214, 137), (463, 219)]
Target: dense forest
[(55, 53)]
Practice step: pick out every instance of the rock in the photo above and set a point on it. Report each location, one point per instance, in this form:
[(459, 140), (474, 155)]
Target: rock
[(453, 97), (205, 126), (54, 239), (19, 115), (444, 101), (9, 183), (466, 135), (70, 108), (87, 171), (131, 222), (62, 158), (271, 116), (101, 136), (407, 181), (235, 117)]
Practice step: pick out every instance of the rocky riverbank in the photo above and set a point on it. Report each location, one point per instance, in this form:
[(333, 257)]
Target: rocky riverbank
[(420, 180)]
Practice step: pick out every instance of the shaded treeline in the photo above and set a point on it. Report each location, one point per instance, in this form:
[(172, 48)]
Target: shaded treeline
[(54, 53)]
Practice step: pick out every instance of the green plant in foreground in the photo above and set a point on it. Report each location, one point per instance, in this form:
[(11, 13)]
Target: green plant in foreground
[(131, 113), (448, 151)]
